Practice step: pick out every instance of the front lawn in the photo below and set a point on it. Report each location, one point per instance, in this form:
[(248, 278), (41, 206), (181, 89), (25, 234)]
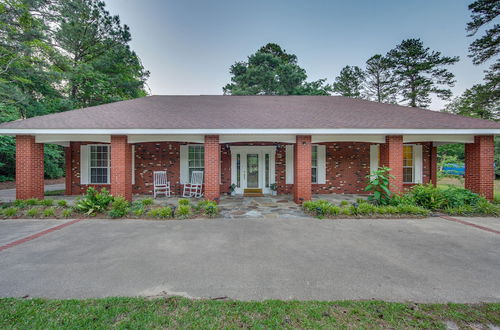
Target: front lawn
[(176, 312)]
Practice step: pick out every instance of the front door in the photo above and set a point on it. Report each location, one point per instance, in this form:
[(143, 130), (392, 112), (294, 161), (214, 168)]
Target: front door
[(252, 167), (252, 171)]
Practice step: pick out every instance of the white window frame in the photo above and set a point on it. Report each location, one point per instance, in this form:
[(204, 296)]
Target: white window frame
[(90, 167), (413, 163), (189, 167)]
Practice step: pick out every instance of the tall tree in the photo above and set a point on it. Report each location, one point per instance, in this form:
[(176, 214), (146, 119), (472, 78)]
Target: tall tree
[(380, 82), (350, 82), (421, 72), (483, 13), (476, 102), (96, 58), (272, 71)]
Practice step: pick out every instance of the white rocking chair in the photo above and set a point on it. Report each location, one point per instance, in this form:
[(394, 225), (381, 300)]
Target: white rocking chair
[(161, 185), (194, 188)]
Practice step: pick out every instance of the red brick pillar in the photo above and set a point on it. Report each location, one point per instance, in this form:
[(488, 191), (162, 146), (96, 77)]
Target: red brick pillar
[(67, 179), (433, 165), (29, 168), (212, 162), (479, 172), (302, 180), (391, 155), (121, 167)]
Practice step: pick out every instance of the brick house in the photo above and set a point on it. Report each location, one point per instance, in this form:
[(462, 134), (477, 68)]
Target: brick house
[(303, 144)]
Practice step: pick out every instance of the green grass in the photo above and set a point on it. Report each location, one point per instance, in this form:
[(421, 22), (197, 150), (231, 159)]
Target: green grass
[(176, 312)]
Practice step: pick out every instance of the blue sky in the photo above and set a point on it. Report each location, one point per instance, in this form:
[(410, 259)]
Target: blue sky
[(189, 45)]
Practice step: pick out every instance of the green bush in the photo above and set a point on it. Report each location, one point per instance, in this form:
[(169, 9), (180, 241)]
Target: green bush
[(388, 209), (318, 208), (333, 210), (20, 203), (67, 213), (429, 197), (348, 210), (183, 211), (32, 202), (183, 201), (10, 211), (207, 207), (162, 212), (365, 209), (119, 208), (49, 212), (483, 207), (147, 201), (138, 211), (344, 203), (455, 196), (378, 184), (94, 201), (33, 212), (413, 210), (47, 202), (62, 203), (462, 210)]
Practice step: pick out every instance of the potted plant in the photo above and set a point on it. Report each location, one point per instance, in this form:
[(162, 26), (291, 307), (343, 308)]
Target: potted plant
[(232, 189), (273, 188)]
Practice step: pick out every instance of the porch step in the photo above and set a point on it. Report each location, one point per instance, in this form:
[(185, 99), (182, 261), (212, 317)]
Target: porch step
[(253, 192)]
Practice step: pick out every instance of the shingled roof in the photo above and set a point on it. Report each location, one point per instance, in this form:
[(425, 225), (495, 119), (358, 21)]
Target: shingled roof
[(249, 112)]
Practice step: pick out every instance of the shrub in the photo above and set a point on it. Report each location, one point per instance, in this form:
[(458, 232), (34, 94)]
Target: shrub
[(138, 211), (49, 212), (183, 201), (388, 209), (94, 201), (318, 208), (119, 208), (207, 207), (428, 197), (344, 203), (349, 210), (67, 213), (333, 210), (361, 200), (33, 212), (366, 208), (484, 207), (378, 184), (147, 201), (183, 211), (162, 212), (62, 203), (47, 202), (462, 210), (10, 211), (20, 203), (455, 196), (32, 202), (413, 210)]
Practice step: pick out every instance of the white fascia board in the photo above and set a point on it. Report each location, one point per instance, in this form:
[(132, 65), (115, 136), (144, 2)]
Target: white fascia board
[(300, 131)]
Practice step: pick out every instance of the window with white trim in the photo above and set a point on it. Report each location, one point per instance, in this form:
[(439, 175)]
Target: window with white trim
[(99, 163), (408, 164), (314, 165), (196, 159)]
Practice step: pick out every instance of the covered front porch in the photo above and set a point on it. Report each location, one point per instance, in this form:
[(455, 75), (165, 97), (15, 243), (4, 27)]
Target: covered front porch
[(295, 165)]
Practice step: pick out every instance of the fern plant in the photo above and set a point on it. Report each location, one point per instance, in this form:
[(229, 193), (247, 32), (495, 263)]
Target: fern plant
[(378, 184)]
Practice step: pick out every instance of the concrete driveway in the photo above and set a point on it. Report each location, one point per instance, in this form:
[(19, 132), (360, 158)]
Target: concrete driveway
[(9, 195), (430, 260)]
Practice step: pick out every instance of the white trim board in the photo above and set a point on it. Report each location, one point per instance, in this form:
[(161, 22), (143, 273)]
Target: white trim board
[(308, 131)]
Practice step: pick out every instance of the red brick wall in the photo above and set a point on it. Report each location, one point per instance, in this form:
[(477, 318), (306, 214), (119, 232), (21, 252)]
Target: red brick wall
[(391, 155), (479, 171), (212, 167), (121, 173), (302, 188), (347, 164), (29, 168)]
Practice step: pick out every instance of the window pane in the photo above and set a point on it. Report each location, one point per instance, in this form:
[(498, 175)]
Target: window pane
[(314, 175), (314, 156), (408, 175)]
